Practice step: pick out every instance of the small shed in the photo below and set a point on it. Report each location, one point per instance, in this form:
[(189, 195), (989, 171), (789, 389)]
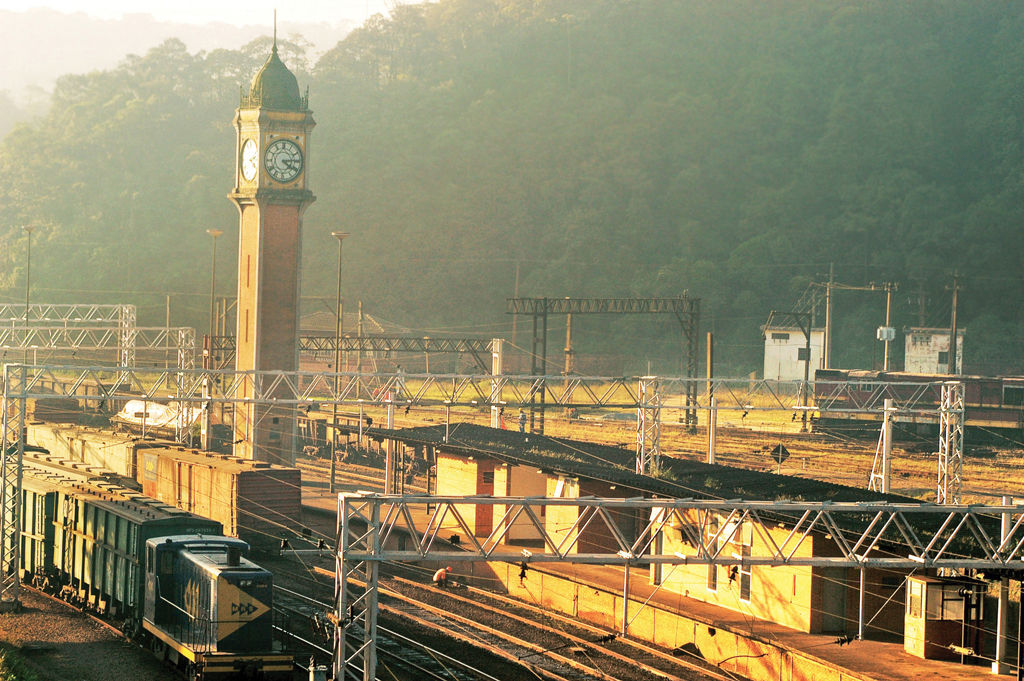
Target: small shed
[(926, 351), (460, 473), (784, 353), (943, 615)]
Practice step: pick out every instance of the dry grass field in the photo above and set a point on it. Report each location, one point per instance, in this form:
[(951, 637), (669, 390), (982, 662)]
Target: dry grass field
[(745, 442)]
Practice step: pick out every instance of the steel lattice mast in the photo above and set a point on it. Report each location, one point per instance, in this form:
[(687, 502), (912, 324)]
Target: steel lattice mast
[(852, 535), (951, 444)]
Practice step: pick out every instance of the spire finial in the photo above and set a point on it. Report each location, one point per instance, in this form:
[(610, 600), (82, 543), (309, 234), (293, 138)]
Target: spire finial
[(275, 29)]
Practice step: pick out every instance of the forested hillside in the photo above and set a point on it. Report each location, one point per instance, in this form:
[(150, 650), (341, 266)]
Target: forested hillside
[(600, 147)]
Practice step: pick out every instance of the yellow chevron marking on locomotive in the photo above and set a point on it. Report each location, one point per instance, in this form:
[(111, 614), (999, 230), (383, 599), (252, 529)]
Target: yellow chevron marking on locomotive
[(235, 608), (191, 600)]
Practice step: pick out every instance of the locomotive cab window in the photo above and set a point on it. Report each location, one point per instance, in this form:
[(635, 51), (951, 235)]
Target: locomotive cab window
[(166, 563), (151, 560), (1013, 395)]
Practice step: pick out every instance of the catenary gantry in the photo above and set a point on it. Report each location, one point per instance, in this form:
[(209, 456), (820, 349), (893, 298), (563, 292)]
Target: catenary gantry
[(877, 535)]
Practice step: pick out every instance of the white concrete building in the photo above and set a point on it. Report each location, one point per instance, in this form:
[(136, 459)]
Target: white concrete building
[(927, 351), (784, 350)]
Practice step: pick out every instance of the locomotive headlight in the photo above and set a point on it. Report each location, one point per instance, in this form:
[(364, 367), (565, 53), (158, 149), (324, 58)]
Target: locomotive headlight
[(245, 582)]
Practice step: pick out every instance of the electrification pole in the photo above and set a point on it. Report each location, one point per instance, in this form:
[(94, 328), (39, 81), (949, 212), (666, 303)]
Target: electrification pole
[(340, 236)]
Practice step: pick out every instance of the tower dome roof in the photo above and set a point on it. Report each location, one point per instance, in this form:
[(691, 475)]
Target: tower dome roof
[(275, 87)]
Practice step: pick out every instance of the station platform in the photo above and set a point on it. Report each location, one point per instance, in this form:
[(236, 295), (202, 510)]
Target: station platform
[(762, 650)]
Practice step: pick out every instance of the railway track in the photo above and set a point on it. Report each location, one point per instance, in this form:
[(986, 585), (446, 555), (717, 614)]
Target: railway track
[(659, 662), (354, 473), (401, 657), (543, 644)]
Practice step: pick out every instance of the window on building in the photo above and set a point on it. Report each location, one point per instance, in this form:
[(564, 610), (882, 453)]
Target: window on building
[(741, 544), (1013, 395), (488, 477), (780, 336), (945, 603), (801, 355), (915, 597), (943, 359)]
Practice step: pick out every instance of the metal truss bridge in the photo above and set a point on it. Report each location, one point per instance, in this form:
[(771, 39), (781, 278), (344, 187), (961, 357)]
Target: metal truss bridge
[(477, 348), (301, 388), (685, 309), (71, 315), (857, 535), (126, 340)]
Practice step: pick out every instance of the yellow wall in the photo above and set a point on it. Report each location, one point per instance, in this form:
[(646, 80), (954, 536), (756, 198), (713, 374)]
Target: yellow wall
[(519, 481), (457, 476), (738, 653), (779, 594), (812, 600)]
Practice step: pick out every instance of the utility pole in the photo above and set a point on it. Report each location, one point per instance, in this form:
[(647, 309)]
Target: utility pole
[(889, 288), (952, 331), (568, 344), (167, 325), (339, 311), (922, 299), (359, 334), (712, 412), (828, 315), (516, 295)]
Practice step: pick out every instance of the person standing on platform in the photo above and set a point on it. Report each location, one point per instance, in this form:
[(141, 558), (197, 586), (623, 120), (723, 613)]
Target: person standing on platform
[(522, 421)]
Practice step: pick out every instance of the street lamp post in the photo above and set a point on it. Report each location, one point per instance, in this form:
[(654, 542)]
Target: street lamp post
[(340, 236), (28, 279), (205, 425), (213, 285)]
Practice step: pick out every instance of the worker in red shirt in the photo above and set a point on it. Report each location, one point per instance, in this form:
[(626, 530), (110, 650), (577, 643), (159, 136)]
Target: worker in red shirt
[(441, 577)]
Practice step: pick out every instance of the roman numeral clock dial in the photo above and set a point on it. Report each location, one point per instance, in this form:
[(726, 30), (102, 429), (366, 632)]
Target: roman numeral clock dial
[(283, 160)]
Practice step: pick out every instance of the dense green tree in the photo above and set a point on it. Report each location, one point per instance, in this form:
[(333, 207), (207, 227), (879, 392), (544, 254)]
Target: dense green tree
[(596, 148)]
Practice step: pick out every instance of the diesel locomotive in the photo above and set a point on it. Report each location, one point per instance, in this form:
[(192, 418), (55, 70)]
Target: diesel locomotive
[(176, 583)]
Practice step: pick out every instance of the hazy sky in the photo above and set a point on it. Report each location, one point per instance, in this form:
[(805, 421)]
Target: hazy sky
[(234, 12)]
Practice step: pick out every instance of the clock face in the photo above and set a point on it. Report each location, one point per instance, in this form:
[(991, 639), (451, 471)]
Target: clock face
[(250, 159), (283, 160)]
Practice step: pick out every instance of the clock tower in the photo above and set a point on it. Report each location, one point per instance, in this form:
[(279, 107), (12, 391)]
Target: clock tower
[(273, 125)]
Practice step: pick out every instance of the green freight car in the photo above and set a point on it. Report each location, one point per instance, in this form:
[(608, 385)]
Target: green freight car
[(85, 539), (179, 586)]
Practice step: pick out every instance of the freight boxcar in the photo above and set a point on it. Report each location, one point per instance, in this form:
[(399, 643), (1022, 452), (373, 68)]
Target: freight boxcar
[(256, 501)]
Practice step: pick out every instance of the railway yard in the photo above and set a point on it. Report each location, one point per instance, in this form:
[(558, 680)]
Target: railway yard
[(467, 632)]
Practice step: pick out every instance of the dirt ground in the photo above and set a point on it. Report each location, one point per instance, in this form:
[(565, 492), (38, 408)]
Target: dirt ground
[(61, 644)]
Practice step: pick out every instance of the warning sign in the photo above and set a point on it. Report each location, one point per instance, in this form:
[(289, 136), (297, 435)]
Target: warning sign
[(780, 453)]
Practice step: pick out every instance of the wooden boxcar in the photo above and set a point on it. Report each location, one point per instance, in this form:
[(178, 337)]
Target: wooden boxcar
[(256, 501)]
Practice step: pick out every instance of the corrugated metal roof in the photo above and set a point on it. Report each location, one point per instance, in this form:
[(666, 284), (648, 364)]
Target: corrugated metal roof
[(682, 477)]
